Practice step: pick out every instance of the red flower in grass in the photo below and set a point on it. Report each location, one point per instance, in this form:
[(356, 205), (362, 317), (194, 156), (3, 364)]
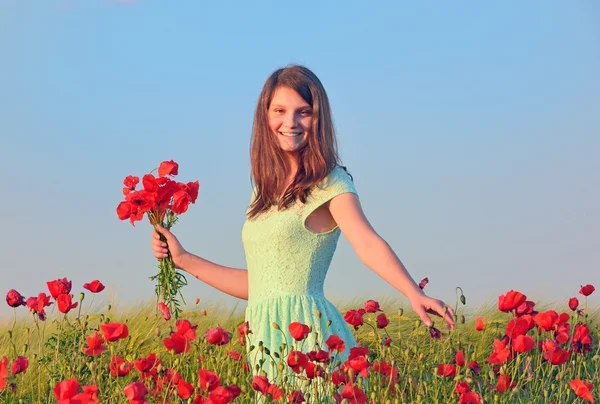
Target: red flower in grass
[(220, 395), (67, 392), (371, 306), (119, 367), (523, 343), (546, 320), (511, 301), (573, 303), (92, 393), (14, 299), (208, 380), (114, 331), (382, 321), (186, 329), (235, 355), (217, 336), (177, 343), (275, 392), (59, 287), (37, 305), (184, 389), (335, 343), (65, 303), (136, 393), (500, 353), (296, 397), (504, 383), (354, 317), (479, 325), (3, 372), (298, 330), (435, 333), (94, 286), (582, 389), (581, 339), (297, 361), (352, 393), (459, 358), (462, 387), (587, 290), (557, 356), (474, 367), (168, 168), (516, 327), (95, 346), (164, 310), (446, 370), (469, 398), (261, 384), (243, 331), (20, 365), (147, 366)]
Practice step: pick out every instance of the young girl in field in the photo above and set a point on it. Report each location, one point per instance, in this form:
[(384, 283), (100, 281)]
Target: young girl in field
[(303, 199)]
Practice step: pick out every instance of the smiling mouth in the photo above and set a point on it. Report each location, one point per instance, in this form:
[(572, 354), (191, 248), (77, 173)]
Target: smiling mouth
[(290, 134)]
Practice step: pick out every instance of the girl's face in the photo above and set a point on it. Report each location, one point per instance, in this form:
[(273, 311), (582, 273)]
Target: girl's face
[(290, 119)]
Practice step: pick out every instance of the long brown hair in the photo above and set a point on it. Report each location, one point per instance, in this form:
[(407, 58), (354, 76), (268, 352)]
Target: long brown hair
[(269, 167)]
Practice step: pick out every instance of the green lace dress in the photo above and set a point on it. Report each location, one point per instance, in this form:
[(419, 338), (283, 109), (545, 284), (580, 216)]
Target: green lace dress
[(287, 264)]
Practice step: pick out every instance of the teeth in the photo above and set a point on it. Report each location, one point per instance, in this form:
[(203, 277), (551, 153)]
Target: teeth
[(290, 134)]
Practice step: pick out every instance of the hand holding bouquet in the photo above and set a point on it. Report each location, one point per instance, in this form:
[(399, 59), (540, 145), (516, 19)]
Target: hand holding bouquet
[(162, 199)]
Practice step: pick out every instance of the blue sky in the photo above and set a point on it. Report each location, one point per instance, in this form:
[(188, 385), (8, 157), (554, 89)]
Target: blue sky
[(472, 131)]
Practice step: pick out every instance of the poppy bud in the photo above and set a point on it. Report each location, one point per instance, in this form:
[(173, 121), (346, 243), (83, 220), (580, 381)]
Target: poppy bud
[(267, 351), (462, 319), (318, 314), (261, 348), (109, 307), (157, 332), (463, 299), (400, 312), (252, 348), (417, 323), (25, 347), (328, 323), (276, 354), (276, 326), (10, 334), (280, 367)]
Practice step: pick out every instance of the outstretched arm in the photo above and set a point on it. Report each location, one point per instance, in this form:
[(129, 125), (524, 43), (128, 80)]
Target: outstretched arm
[(375, 253)]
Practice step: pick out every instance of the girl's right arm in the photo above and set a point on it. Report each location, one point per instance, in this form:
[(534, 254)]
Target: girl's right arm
[(232, 281)]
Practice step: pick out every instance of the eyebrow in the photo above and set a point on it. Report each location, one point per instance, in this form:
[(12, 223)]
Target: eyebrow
[(283, 106)]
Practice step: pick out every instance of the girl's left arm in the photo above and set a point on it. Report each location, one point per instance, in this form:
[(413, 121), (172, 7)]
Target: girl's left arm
[(375, 253)]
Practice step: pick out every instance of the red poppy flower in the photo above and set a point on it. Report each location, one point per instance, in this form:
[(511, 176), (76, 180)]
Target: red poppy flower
[(354, 317), (557, 356), (130, 183), (181, 201), (94, 286), (192, 190), (136, 393), (523, 343), (95, 346), (168, 168), (14, 298), (297, 361), (423, 283), (92, 392), (223, 394), (3, 372), (275, 392), (296, 397), (459, 358), (587, 290), (119, 367), (335, 343), (59, 287), (469, 398), (164, 310), (435, 333), (479, 325), (65, 303), (446, 370), (114, 331), (185, 329), (500, 353), (243, 330), (261, 384), (184, 389), (382, 321), (20, 365), (235, 355), (504, 383), (298, 330), (177, 343), (68, 390), (573, 303), (525, 308), (462, 387), (371, 306), (546, 320), (517, 326), (511, 301), (474, 367), (353, 393), (217, 336), (582, 389), (208, 380), (147, 365)]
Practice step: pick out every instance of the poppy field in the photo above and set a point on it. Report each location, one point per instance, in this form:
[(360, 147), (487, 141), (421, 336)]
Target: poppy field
[(59, 348)]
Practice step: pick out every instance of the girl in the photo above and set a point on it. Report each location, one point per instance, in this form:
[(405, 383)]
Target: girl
[(303, 199)]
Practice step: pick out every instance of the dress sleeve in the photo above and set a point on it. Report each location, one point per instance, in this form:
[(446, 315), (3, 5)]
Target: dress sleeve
[(338, 182)]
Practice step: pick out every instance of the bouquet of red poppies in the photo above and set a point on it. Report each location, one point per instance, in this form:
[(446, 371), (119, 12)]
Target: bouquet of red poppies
[(162, 199)]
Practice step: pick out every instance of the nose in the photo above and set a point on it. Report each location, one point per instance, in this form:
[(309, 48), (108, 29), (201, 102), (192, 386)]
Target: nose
[(291, 120)]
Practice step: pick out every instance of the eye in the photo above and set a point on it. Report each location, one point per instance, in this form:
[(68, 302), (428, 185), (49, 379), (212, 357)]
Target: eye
[(306, 112), (278, 110)]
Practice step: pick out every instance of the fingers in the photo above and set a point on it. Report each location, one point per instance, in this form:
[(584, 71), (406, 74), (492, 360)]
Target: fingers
[(443, 310), (423, 316)]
